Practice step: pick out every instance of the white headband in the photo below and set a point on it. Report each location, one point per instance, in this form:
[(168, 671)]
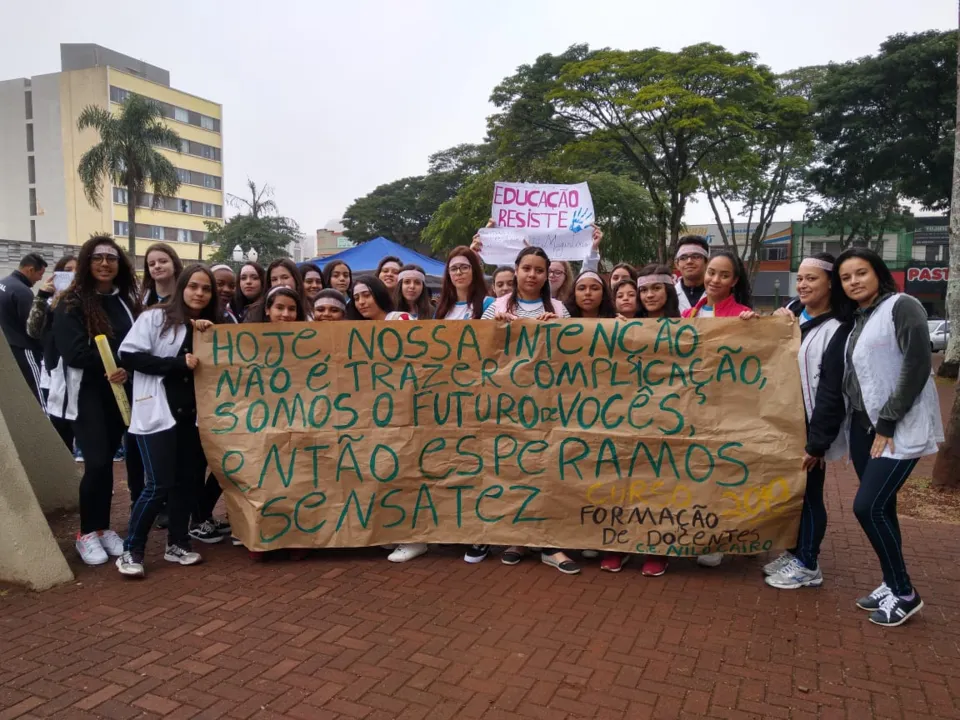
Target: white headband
[(827, 267), (221, 267), (388, 264), (329, 302), (412, 275), (275, 288), (691, 249), (359, 288), (591, 275), (645, 280), (105, 249)]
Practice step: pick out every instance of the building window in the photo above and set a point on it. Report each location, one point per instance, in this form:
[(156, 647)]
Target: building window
[(33, 231), (932, 253), (120, 195), (183, 175), (120, 229), (31, 170), (28, 104), (156, 232), (206, 122), (208, 181), (33, 201), (183, 235), (184, 206), (181, 115), (29, 137)]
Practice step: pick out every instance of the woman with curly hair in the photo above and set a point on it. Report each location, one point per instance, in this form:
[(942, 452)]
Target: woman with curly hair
[(103, 300)]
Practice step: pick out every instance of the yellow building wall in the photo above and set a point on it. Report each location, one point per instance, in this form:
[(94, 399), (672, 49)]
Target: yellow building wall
[(165, 94), (164, 218), (79, 88)]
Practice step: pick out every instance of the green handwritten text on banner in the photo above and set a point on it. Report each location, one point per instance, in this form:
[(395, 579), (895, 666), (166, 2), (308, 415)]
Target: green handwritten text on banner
[(670, 437)]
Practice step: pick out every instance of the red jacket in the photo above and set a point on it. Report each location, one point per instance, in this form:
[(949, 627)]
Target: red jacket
[(728, 308)]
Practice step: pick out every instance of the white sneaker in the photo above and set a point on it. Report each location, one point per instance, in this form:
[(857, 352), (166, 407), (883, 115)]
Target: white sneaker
[(795, 575), (181, 555), (111, 542), (130, 566), (783, 559), (710, 559), (407, 551), (90, 549)]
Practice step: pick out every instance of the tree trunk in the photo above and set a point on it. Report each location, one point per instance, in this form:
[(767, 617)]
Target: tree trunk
[(946, 469), (951, 356), (132, 225)]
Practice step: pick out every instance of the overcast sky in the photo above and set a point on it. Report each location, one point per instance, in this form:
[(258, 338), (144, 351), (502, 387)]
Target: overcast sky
[(326, 100)]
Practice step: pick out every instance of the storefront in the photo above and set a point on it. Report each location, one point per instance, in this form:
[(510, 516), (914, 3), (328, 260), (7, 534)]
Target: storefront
[(928, 284)]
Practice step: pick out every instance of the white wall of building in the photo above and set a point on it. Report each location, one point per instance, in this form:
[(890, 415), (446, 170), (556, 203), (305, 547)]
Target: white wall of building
[(14, 198), (48, 139)]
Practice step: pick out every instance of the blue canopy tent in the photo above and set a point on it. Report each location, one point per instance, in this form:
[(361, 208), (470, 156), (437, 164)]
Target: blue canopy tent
[(366, 256)]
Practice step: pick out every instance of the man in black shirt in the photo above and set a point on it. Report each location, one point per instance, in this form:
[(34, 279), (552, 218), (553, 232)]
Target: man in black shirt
[(16, 297)]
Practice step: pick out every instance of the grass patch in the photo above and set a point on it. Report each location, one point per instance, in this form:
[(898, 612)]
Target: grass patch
[(920, 500)]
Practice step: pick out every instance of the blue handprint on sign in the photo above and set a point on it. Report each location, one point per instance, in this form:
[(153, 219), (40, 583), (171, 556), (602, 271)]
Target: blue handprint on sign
[(580, 218)]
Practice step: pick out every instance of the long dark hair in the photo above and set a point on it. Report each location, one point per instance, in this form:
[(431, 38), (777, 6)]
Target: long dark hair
[(422, 307), (82, 292), (625, 283), (175, 310), (741, 291), (671, 308), (844, 306), (328, 273), (62, 262), (381, 296), (606, 309), (389, 258), (308, 267), (292, 268), (545, 295), (240, 301), (478, 285), (149, 285), (628, 267), (271, 297)]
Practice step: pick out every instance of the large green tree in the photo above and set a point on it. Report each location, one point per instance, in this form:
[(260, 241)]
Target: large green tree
[(127, 156), (258, 226), (885, 126)]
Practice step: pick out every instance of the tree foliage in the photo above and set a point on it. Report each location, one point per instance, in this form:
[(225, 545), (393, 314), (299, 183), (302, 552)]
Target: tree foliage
[(885, 126), (261, 228), (127, 155)]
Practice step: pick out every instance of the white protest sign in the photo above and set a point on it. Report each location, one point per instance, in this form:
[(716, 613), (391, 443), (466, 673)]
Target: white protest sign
[(557, 218)]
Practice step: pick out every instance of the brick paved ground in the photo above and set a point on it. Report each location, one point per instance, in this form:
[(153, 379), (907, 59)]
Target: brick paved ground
[(348, 635)]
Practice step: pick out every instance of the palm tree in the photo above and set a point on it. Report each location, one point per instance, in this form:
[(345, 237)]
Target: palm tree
[(260, 203), (127, 156)]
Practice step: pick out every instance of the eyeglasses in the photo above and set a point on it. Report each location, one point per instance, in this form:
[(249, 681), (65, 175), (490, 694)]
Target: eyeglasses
[(460, 269), (100, 259), (685, 258), (557, 273)]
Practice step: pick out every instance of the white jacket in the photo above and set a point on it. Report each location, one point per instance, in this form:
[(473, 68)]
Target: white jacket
[(150, 411), (877, 360)]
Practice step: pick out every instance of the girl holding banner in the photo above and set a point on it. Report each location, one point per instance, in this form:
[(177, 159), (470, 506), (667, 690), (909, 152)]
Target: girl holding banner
[(823, 336), (410, 294), (625, 299), (103, 300), (159, 349), (727, 290), (893, 415), (371, 300), (657, 295), (463, 294)]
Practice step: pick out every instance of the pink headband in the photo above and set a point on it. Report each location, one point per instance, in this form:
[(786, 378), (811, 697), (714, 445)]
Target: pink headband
[(645, 280), (589, 274), (221, 267), (412, 275), (359, 288), (276, 288), (105, 249), (822, 264), (691, 250), (329, 302)]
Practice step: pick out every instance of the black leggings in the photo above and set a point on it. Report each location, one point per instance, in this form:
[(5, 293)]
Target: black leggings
[(99, 430), (207, 497), (813, 520), (875, 505)]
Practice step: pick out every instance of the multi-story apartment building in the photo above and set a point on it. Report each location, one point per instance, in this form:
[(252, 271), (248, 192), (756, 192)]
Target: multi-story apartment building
[(41, 197)]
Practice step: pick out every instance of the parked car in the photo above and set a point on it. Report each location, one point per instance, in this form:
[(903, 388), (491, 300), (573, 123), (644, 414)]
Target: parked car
[(939, 334)]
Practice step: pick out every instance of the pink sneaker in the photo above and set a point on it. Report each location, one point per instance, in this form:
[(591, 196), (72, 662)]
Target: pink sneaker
[(654, 566), (613, 562)]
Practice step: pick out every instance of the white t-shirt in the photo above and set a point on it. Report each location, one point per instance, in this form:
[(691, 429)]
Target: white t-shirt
[(525, 309), (464, 310), (705, 311)]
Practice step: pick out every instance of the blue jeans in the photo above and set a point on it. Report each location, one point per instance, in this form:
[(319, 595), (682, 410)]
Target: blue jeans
[(875, 504)]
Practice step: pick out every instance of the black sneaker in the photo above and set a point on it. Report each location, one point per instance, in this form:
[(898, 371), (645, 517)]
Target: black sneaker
[(476, 553), (871, 602), (896, 610), (206, 532), (181, 555), (222, 526)]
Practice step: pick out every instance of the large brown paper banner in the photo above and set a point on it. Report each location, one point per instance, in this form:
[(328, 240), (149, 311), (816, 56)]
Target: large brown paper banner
[(671, 437)]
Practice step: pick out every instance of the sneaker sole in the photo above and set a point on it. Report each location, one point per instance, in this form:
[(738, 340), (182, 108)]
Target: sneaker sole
[(616, 569), (404, 558), (474, 560), (653, 574), (131, 572), (95, 564), (207, 540), (179, 561), (556, 566), (795, 586), (902, 620), (511, 561)]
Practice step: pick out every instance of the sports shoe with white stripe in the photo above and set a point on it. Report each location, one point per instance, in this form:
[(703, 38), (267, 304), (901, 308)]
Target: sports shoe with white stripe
[(896, 610), (872, 601), (181, 555), (772, 568), (795, 575), (131, 565)]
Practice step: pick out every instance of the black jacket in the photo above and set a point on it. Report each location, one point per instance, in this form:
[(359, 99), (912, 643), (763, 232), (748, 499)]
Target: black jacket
[(829, 409), (16, 297), (78, 349)]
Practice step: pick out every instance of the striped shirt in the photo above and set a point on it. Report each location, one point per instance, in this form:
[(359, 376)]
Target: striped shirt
[(525, 309)]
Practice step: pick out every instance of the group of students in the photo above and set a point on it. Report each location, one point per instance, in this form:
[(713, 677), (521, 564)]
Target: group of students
[(864, 365)]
